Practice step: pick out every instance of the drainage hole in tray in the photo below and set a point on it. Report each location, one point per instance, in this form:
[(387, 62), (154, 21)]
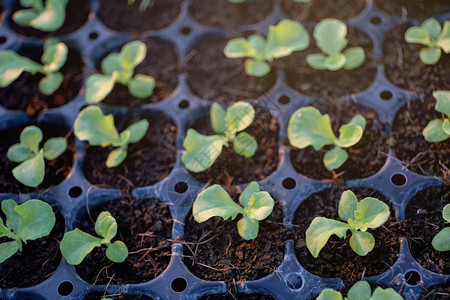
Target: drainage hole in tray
[(386, 95), (294, 281), (284, 99), (398, 179), (412, 278), (179, 285), (75, 192), (65, 288), (185, 30), (93, 36), (181, 187), (3, 40), (375, 20), (289, 183), (183, 104)]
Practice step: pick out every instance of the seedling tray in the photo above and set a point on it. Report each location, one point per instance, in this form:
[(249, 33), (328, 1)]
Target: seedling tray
[(179, 189)]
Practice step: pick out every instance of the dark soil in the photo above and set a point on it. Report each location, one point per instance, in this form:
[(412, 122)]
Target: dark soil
[(316, 10), (337, 259), (23, 93), (330, 84), (364, 159), (212, 76), (145, 227), (77, 13), (161, 62), (238, 297), (148, 161), (419, 9), (411, 148), (231, 168), (423, 221), (215, 251), (405, 69), (55, 170), (38, 260), (97, 296), (118, 15), (437, 293), (230, 16)]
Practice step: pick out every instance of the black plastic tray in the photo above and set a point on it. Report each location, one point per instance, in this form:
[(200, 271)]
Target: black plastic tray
[(291, 281)]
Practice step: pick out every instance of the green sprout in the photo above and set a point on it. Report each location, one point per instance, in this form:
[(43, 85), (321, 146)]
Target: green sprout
[(430, 35), (46, 18), (99, 130), (28, 221), (31, 171), (438, 130), (330, 38), (283, 39), (308, 127), (202, 151), (76, 244), (143, 6), (256, 205), (119, 68), (367, 213), (441, 242), (55, 55), (361, 291)]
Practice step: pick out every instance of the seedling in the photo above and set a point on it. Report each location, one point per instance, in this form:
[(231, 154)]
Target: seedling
[(438, 130), (308, 127), (283, 39), (441, 242), (119, 68), (25, 222), (76, 244), (143, 6), (55, 55), (256, 205), (432, 37), (361, 291), (202, 151), (330, 38), (31, 171), (48, 17), (99, 130), (367, 213)]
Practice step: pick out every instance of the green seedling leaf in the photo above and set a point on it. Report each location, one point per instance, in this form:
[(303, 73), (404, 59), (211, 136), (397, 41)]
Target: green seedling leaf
[(137, 131), (446, 213), (443, 102), (76, 244), (329, 294), (12, 65), (368, 213), (98, 86), (12, 217), (8, 249), (55, 55), (245, 145), (360, 291), (51, 17), (434, 132), (438, 130), (441, 242), (355, 57), (218, 118), (430, 35), (24, 17), (32, 171), (116, 157), (50, 83), (330, 36), (54, 147), (239, 116), (30, 137), (215, 202), (92, 126), (18, 153), (308, 127), (283, 39), (317, 61), (141, 86), (385, 294)]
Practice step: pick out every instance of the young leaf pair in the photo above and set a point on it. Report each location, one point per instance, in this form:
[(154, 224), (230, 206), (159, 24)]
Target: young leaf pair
[(76, 244), (330, 38), (283, 39), (432, 37), (25, 222), (358, 216), (202, 151), (31, 170), (99, 130), (361, 291), (48, 17), (255, 205), (12, 65), (308, 127), (441, 242), (438, 130), (119, 68)]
